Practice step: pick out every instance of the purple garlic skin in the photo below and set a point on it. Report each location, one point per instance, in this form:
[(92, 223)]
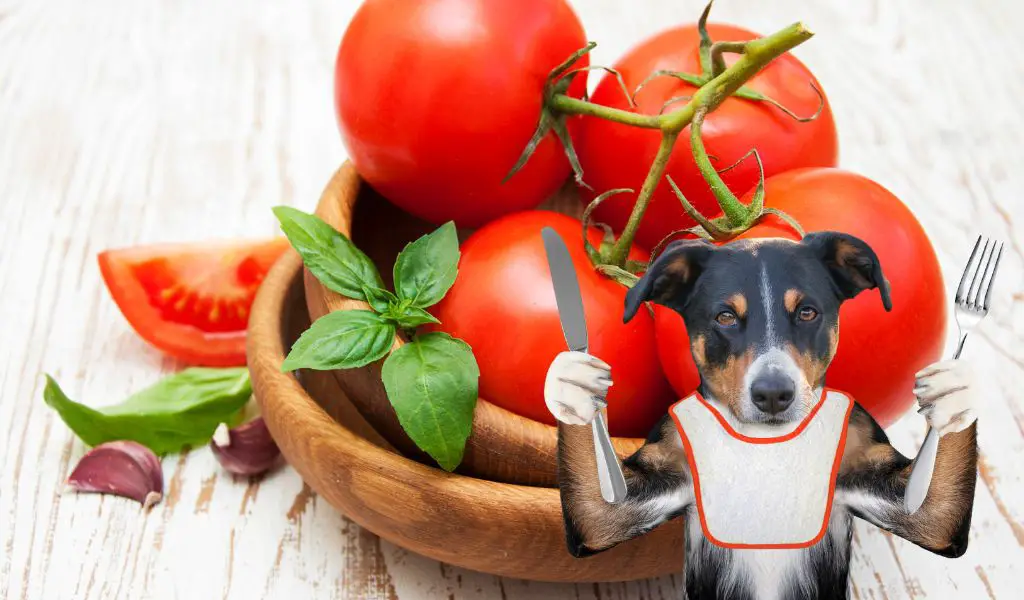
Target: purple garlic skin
[(120, 468), (245, 450)]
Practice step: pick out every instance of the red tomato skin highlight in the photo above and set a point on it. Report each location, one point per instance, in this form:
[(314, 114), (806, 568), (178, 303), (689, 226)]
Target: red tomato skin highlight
[(619, 156), (503, 306), (436, 100), (879, 352)]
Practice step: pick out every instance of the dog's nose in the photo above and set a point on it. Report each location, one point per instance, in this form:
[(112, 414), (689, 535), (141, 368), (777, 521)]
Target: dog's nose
[(773, 392)]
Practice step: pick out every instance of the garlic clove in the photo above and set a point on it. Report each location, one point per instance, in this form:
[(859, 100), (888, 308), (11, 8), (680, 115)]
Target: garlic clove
[(245, 450), (121, 468)]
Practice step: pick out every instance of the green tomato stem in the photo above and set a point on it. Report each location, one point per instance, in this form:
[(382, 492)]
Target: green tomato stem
[(735, 212), (756, 54), (620, 251), (575, 106), (720, 48)]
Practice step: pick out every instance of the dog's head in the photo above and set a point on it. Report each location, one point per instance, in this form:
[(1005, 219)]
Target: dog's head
[(762, 315)]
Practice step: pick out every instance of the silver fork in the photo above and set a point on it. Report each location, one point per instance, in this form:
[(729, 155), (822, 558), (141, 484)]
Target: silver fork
[(970, 308)]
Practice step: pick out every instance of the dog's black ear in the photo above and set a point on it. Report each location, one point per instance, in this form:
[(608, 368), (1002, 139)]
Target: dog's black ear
[(670, 277), (853, 265)]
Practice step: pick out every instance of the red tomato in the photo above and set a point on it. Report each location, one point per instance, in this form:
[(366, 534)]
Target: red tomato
[(191, 300), (618, 156), (503, 305), (879, 352), (436, 100)]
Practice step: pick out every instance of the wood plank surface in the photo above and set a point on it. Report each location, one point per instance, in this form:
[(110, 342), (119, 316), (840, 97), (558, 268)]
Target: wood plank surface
[(149, 121)]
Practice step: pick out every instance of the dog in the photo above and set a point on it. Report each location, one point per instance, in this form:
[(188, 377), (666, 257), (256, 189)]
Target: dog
[(763, 322)]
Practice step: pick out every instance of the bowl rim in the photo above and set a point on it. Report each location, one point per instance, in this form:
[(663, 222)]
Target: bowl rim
[(501, 528)]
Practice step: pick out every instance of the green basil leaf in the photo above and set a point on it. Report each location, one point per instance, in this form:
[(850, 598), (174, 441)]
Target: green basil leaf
[(330, 256), (379, 299), (409, 317), (343, 339), (426, 268), (180, 410), (432, 384)]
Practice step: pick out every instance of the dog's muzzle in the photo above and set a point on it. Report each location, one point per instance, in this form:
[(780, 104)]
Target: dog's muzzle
[(772, 392)]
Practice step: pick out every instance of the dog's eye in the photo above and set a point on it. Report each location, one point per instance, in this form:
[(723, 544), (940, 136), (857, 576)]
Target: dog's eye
[(726, 318), (806, 313)]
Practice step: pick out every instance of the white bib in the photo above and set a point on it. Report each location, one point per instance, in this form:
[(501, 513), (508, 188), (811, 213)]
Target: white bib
[(764, 492)]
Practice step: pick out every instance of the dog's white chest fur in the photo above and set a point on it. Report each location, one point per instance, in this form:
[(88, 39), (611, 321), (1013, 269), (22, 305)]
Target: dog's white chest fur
[(769, 572), (765, 574), (763, 493), (761, 574)]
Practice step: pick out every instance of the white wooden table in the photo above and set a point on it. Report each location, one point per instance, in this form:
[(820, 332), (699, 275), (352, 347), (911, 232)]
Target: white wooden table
[(133, 122)]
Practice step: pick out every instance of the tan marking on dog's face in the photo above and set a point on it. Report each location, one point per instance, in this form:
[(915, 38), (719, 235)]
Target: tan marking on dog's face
[(833, 341), (738, 303), (791, 299), (726, 382), (813, 367), (699, 356)]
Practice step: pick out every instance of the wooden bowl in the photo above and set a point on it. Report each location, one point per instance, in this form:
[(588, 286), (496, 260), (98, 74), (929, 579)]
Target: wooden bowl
[(499, 528), (503, 446)]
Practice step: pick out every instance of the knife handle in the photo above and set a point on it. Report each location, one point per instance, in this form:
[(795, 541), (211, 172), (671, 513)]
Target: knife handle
[(609, 471)]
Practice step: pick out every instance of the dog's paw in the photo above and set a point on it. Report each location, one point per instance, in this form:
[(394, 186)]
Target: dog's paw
[(576, 386), (946, 395)]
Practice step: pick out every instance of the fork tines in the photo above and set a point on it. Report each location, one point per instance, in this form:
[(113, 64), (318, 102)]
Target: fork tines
[(981, 275)]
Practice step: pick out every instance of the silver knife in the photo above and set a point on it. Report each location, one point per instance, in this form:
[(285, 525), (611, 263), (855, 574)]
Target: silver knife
[(574, 327)]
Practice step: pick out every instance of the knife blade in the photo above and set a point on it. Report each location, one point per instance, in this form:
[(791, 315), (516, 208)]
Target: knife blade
[(568, 297), (569, 300)]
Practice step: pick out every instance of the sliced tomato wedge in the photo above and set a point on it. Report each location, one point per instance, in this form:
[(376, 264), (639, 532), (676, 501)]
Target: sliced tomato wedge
[(191, 301)]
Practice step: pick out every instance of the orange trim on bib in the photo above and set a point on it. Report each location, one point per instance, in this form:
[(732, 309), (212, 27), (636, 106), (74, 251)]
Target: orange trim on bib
[(767, 440)]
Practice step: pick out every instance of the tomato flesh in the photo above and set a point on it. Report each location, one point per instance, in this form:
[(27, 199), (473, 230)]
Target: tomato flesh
[(191, 300)]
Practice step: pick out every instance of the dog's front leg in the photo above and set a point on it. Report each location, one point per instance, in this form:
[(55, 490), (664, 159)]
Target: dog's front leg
[(657, 480), (873, 478)]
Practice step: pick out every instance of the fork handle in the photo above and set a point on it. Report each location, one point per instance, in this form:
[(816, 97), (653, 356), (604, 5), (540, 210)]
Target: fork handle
[(960, 346), (924, 465)]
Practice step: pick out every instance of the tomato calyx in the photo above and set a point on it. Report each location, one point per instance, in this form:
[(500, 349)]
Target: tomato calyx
[(712, 64), (557, 83), (737, 217), (717, 83)]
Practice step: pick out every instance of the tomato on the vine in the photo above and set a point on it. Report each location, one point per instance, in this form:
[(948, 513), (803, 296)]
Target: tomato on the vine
[(503, 306), (879, 352), (614, 155), (436, 100)]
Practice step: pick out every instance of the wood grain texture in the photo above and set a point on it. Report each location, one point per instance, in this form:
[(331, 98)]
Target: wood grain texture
[(130, 122)]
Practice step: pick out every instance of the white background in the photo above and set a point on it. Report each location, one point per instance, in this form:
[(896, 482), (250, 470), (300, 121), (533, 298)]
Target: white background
[(134, 122)]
